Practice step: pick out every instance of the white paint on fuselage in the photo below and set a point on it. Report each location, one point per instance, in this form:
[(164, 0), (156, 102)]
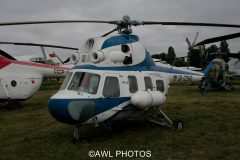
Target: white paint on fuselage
[(189, 76), (122, 77), (19, 86)]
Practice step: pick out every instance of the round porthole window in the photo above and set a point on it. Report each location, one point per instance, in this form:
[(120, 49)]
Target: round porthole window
[(125, 48), (13, 83)]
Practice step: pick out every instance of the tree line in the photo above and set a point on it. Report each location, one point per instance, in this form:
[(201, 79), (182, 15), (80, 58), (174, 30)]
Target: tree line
[(198, 56)]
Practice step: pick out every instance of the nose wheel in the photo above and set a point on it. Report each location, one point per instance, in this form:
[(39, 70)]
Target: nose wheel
[(76, 135)]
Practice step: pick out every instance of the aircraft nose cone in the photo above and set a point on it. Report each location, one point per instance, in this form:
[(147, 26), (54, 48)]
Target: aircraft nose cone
[(59, 110), (71, 111)]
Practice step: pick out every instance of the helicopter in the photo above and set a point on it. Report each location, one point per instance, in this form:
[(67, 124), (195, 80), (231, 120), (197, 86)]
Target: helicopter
[(20, 80), (219, 67), (114, 78), (47, 58)]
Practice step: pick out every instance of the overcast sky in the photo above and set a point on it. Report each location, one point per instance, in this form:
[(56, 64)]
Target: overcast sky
[(156, 39)]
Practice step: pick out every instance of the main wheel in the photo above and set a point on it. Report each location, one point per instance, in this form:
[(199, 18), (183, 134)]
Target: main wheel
[(178, 124), (13, 104)]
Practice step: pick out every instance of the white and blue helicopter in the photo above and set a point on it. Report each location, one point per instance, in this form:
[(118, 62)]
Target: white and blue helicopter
[(114, 78)]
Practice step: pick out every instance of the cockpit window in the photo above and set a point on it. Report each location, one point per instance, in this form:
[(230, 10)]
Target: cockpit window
[(66, 80), (84, 82)]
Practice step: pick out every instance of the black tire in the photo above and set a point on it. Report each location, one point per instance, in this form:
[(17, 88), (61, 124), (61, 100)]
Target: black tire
[(13, 104), (178, 124)]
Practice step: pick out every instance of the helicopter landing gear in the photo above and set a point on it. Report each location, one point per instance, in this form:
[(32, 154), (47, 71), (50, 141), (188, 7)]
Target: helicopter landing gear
[(178, 124), (164, 120), (13, 104), (228, 87), (107, 125), (76, 135)]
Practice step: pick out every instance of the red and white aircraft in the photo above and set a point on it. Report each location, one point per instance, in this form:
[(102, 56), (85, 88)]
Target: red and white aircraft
[(20, 80)]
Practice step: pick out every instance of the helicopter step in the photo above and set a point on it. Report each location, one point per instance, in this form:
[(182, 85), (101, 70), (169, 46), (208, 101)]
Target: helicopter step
[(163, 120)]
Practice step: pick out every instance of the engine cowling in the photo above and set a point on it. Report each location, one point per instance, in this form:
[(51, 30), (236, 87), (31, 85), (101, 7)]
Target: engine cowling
[(146, 99), (97, 57), (117, 56), (74, 58)]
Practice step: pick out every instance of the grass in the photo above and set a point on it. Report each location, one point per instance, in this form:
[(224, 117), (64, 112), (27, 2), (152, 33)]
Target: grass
[(211, 130)]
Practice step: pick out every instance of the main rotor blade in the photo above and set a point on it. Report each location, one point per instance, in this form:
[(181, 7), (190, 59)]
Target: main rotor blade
[(37, 44), (191, 24), (56, 21), (188, 42), (234, 55), (220, 38), (5, 54), (115, 29), (123, 23), (195, 39)]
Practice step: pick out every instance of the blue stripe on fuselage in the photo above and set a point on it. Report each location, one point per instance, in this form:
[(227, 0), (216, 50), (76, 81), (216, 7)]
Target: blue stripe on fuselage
[(59, 108), (120, 39), (137, 68)]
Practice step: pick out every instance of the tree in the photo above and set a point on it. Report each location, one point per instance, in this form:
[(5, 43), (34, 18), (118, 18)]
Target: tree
[(180, 62), (225, 50), (214, 51), (224, 47), (161, 56), (211, 52), (171, 55)]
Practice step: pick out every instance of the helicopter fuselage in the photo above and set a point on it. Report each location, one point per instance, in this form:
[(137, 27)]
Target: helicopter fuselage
[(103, 93)]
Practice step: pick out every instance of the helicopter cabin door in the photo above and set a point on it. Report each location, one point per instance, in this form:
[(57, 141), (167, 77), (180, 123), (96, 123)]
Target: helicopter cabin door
[(111, 93)]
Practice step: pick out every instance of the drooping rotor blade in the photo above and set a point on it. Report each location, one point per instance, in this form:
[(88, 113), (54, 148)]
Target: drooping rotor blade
[(5, 54), (188, 42), (41, 45), (56, 21), (67, 60), (220, 38), (234, 55), (194, 41), (115, 29), (191, 24)]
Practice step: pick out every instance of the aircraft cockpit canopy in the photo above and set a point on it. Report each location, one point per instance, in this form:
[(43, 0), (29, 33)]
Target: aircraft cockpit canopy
[(82, 82)]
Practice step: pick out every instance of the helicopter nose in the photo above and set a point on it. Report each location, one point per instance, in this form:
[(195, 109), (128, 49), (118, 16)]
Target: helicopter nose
[(71, 111)]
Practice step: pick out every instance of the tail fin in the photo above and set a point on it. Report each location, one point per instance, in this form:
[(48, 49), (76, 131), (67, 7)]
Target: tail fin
[(52, 58)]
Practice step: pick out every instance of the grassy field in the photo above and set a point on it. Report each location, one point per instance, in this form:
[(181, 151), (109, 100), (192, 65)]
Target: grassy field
[(211, 130)]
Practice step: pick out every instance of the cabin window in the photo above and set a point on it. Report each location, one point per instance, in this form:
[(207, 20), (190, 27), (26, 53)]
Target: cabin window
[(160, 85), (85, 82), (14, 83), (125, 48), (148, 83), (111, 87), (66, 80), (133, 85)]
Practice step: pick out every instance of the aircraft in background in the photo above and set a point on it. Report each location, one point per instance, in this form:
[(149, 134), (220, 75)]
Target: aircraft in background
[(19, 80), (47, 57), (217, 72), (178, 74)]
